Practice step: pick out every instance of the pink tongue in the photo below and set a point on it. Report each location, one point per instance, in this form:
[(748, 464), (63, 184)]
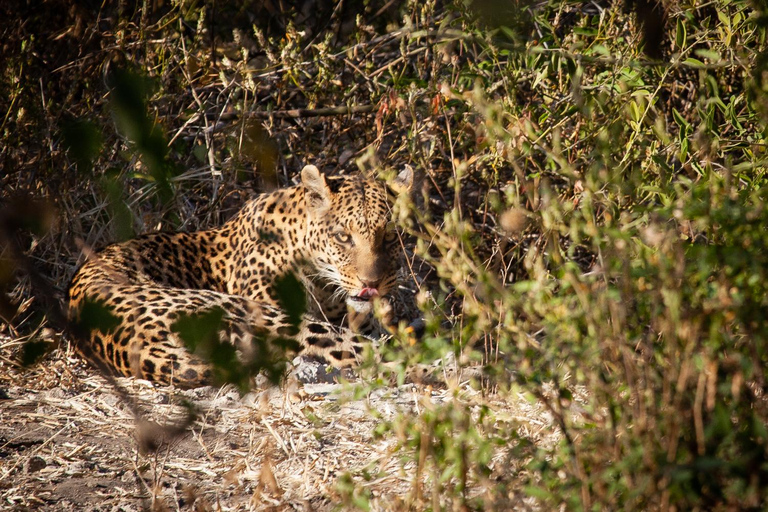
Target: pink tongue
[(368, 293)]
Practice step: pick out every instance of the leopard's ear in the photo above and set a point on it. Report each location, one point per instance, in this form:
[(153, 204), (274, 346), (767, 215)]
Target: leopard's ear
[(403, 183), (317, 192)]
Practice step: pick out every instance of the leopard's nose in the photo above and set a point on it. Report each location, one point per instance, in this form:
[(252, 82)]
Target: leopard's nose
[(369, 282)]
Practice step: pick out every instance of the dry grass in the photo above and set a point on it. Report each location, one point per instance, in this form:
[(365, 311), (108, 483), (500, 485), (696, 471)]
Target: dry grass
[(69, 441)]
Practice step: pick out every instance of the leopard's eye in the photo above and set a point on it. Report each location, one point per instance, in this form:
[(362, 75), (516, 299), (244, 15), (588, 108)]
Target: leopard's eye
[(342, 237), (390, 236)]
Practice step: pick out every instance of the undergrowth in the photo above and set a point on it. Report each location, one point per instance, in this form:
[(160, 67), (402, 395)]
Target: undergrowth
[(589, 223)]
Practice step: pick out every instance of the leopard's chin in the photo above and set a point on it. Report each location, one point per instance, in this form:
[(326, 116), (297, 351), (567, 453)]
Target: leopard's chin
[(359, 305), (361, 301)]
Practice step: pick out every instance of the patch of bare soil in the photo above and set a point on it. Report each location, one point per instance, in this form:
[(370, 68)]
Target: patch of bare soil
[(70, 441)]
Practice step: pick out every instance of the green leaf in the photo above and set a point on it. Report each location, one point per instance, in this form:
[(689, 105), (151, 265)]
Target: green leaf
[(200, 330), (200, 333), (200, 152), (96, 315), (129, 91), (708, 54), (680, 35), (537, 492), (585, 31), (83, 141), (694, 63), (680, 120), (292, 298), (33, 351), (724, 18)]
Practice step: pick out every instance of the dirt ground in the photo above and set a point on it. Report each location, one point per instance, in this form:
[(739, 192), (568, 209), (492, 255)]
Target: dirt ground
[(70, 441)]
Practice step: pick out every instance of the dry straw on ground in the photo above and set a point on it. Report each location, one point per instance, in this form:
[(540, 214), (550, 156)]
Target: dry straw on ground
[(69, 441)]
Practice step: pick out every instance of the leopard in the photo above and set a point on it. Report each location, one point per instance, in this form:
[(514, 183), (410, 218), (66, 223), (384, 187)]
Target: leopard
[(333, 234)]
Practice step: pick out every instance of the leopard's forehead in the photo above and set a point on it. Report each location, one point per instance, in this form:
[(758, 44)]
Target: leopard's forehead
[(359, 204)]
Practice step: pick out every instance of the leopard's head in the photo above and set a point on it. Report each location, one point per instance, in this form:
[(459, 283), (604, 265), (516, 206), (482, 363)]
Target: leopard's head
[(353, 245)]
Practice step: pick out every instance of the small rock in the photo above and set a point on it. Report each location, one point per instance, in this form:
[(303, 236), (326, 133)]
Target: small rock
[(312, 371), (35, 464)]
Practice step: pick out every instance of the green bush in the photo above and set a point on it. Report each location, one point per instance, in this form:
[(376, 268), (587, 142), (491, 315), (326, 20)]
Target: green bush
[(607, 232)]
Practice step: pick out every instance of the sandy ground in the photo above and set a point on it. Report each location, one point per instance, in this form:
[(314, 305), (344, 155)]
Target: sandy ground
[(70, 441)]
